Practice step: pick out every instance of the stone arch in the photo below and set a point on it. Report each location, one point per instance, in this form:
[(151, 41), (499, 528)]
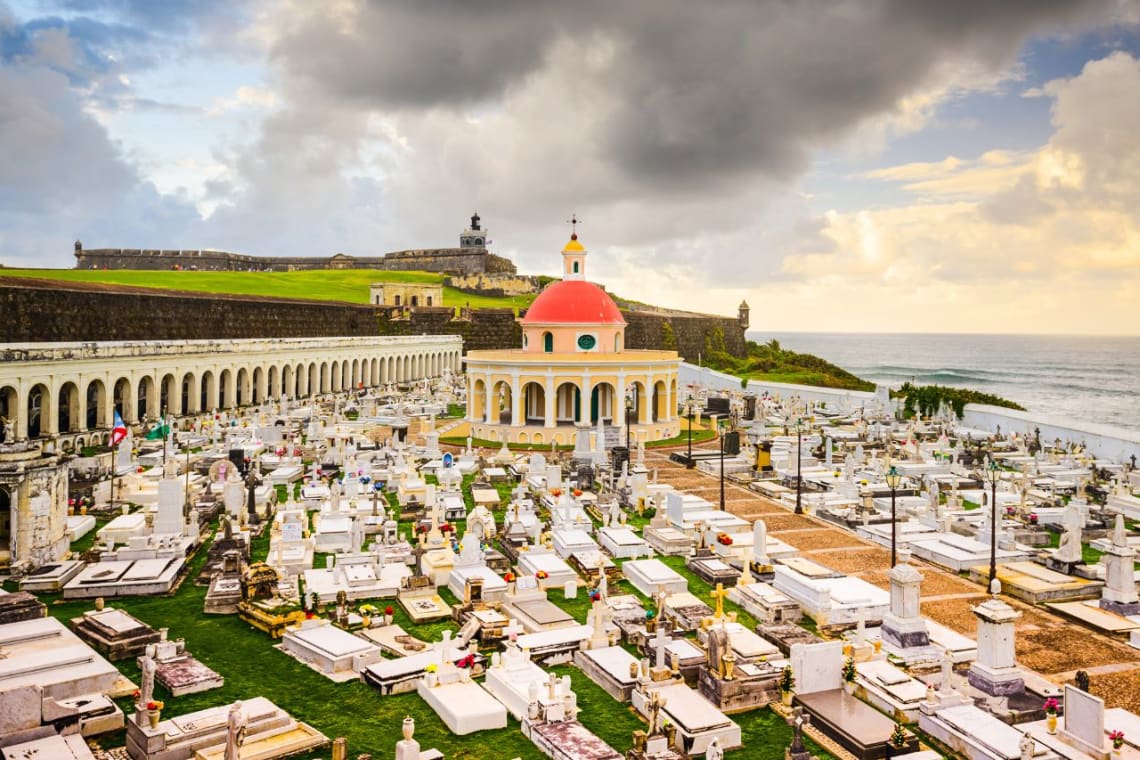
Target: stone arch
[(122, 399), (38, 410), (146, 398), (478, 402), (548, 342), (345, 376), (168, 394), (189, 400), (640, 402), (257, 386), (537, 439), (356, 379), (604, 402), (524, 437), (534, 402), (567, 402), (315, 374), (274, 383), (659, 401), (208, 394), (226, 389), (502, 401), (67, 408), (96, 397), (242, 387), (288, 384), (334, 376), (374, 374)]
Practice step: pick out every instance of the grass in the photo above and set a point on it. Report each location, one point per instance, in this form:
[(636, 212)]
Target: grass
[(350, 285), (252, 667)]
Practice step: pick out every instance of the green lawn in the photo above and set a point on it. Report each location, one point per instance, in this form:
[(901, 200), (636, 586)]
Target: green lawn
[(252, 667), (349, 285)]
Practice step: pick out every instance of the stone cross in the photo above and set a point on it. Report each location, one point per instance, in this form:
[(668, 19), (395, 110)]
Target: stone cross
[(719, 595), (797, 720)]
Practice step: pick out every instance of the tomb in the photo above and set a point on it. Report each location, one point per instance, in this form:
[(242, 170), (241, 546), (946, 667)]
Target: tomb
[(20, 606), (890, 689), (50, 579), (697, 721), (421, 601), (114, 633), (51, 747), (50, 678), (177, 671), (557, 645), (547, 567), (857, 727), (668, 540), (126, 578), (224, 594), (650, 575), (830, 599), (612, 668), (622, 542), (528, 604), (568, 541), (1119, 594), (976, 734), (712, 570), (1036, 584), (515, 680), (733, 684), (684, 610), (268, 731), (494, 588), (358, 575), (567, 740), (786, 635), (995, 671), (463, 705), (765, 603), (336, 654)]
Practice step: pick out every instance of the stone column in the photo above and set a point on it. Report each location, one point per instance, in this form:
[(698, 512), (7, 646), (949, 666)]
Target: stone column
[(1119, 594), (995, 670), (585, 396), (550, 416), (491, 403), (669, 402), (80, 421), (645, 401), (518, 414), (903, 625)]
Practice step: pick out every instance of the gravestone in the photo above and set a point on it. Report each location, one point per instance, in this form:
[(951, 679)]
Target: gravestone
[(995, 670), (1084, 721)]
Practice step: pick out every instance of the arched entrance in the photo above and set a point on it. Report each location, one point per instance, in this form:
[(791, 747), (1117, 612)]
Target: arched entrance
[(96, 398)]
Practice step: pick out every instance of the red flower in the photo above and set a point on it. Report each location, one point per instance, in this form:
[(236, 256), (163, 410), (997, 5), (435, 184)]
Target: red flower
[(387, 610), (541, 575), (577, 492), (152, 705), (509, 577)]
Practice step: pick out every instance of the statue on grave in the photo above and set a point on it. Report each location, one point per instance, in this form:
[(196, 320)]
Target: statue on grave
[(653, 707), (714, 751), (235, 732), (1082, 679), (718, 651), (1025, 747), (147, 668)]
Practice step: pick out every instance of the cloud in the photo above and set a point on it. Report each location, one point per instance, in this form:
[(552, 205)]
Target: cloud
[(1052, 226)]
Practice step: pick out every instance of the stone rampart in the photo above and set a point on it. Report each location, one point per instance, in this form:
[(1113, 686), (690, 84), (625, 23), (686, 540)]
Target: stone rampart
[(448, 260), (46, 310)]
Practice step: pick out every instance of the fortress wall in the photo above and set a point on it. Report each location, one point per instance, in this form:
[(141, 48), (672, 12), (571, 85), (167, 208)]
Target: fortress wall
[(45, 310)]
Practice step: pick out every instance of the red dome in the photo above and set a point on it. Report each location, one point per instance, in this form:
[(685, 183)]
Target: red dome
[(573, 302)]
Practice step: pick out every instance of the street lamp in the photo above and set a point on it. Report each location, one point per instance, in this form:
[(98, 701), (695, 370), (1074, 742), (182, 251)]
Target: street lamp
[(799, 464), (993, 474), (689, 463), (628, 410), (720, 434), (893, 478)]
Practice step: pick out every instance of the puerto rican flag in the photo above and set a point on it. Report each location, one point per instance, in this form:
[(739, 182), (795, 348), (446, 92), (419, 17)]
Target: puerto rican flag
[(119, 431)]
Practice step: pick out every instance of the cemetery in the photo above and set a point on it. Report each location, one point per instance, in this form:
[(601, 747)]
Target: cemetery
[(321, 578)]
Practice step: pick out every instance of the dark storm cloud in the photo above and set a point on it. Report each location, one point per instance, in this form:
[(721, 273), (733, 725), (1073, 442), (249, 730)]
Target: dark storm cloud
[(705, 91)]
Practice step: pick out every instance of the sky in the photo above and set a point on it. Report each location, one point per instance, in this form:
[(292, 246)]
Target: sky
[(870, 166)]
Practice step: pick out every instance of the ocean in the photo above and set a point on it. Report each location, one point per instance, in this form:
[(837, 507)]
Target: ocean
[(1079, 378)]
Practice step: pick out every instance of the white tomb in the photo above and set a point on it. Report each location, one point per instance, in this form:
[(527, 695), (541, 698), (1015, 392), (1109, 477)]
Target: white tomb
[(332, 652), (649, 575)]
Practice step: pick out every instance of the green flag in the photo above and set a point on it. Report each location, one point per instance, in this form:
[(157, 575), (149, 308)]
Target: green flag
[(157, 432)]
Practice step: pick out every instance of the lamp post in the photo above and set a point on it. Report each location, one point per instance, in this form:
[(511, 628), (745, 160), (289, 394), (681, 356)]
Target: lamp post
[(720, 434), (628, 410), (799, 464), (993, 474), (689, 464), (893, 478)]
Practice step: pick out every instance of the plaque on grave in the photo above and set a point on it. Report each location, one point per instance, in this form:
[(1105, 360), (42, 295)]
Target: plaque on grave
[(732, 443), (619, 456), (586, 478), (237, 456)]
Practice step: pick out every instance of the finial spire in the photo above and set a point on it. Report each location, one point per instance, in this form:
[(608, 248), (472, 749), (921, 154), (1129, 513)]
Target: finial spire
[(573, 226)]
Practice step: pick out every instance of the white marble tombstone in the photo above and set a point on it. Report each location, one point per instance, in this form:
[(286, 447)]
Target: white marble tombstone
[(1119, 593), (995, 670), (903, 625), (760, 543), (1084, 720), (1070, 548)]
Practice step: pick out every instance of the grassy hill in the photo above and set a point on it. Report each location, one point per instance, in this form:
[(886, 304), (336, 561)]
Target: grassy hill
[(768, 361), (349, 285)]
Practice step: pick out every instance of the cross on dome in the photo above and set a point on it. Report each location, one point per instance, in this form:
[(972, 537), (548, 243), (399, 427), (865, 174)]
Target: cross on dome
[(573, 222)]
